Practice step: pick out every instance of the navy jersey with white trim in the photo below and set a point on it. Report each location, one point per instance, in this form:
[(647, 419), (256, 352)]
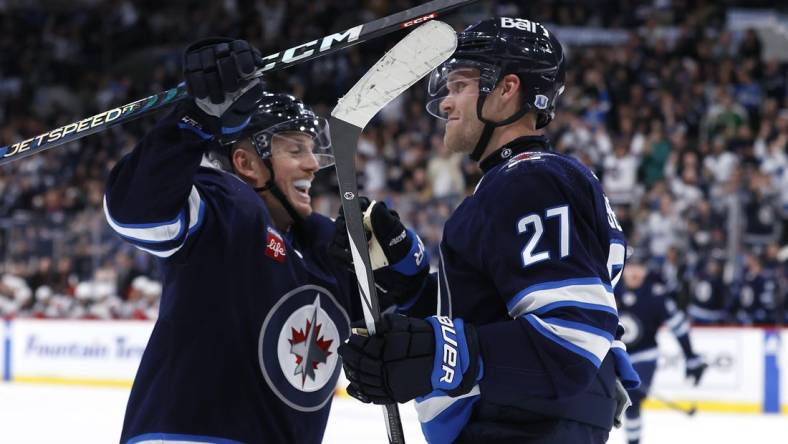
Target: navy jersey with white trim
[(244, 349), (756, 300), (531, 259), (643, 310)]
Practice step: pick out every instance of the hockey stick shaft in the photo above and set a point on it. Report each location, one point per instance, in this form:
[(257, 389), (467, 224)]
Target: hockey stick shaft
[(690, 411), (280, 60), (406, 63)]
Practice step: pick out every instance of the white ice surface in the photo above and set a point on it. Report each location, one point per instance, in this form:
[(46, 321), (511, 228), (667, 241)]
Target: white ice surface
[(40, 414)]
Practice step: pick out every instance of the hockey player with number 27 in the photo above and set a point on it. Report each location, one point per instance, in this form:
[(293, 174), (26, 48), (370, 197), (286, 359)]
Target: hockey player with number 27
[(254, 308), (525, 347)]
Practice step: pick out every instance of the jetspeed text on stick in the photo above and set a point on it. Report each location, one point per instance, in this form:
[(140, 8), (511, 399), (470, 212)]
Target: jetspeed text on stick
[(63, 131)]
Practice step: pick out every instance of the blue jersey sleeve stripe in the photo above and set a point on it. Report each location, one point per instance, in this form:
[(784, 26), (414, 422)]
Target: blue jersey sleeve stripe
[(442, 418), (587, 291), (167, 247), (196, 211), (158, 231), (579, 326), (147, 232), (572, 304), (159, 438), (562, 339)]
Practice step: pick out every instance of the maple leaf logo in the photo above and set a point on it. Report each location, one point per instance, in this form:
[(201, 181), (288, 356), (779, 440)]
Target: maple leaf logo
[(310, 349)]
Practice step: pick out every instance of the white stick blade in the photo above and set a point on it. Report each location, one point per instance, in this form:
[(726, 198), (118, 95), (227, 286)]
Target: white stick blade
[(415, 56)]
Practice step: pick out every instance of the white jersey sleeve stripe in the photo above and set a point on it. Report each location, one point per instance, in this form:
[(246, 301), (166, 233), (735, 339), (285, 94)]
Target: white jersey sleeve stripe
[(431, 407), (681, 329), (590, 291), (676, 320), (148, 232), (157, 231), (588, 345), (615, 260), (146, 237)]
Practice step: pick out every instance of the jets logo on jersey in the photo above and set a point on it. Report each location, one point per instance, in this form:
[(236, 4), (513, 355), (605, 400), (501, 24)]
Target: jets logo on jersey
[(297, 347), (309, 345), (275, 246), (633, 330)]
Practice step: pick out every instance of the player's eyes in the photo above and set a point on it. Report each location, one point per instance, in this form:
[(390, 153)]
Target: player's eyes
[(456, 87)]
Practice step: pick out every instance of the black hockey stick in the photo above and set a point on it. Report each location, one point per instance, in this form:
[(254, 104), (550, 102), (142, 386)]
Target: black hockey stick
[(406, 63), (280, 60), (690, 411)]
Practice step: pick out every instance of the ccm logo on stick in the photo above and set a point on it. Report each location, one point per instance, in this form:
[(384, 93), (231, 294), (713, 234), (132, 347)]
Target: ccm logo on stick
[(308, 49), (421, 19), (449, 349)]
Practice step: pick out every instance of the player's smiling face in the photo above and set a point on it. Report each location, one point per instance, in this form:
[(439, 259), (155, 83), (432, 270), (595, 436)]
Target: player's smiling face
[(463, 128), (295, 166)]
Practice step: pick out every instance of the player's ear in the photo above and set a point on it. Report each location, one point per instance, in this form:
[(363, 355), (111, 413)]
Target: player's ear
[(244, 164), (510, 86)]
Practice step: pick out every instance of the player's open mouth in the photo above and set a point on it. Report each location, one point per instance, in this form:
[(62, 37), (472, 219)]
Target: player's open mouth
[(302, 188)]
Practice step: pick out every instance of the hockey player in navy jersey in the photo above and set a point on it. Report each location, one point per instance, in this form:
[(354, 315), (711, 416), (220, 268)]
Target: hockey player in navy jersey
[(524, 347), (253, 308), (710, 301), (757, 298), (645, 303)]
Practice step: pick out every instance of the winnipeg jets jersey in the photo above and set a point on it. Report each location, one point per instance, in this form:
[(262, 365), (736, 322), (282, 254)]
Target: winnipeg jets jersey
[(531, 259), (756, 299), (643, 311), (245, 345), (710, 300)]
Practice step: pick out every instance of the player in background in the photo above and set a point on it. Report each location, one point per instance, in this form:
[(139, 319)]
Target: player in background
[(253, 307), (710, 301), (524, 348), (645, 303), (757, 299)]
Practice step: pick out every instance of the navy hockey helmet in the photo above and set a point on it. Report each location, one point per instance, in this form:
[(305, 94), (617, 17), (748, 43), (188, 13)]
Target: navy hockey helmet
[(283, 116), (500, 46)]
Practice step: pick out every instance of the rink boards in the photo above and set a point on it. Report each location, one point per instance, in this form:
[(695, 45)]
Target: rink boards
[(743, 376)]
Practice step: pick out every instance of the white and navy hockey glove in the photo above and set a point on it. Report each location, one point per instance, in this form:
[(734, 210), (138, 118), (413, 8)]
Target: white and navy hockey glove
[(397, 255), (409, 357), (215, 71)]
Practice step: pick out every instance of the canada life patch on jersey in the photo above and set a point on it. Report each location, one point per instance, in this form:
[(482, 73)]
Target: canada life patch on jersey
[(297, 347), (275, 246)]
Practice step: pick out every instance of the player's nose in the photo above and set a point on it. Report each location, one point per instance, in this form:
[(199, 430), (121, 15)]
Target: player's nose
[(446, 105), (309, 163)]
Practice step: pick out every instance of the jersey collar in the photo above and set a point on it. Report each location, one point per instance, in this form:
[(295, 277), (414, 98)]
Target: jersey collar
[(516, 146)]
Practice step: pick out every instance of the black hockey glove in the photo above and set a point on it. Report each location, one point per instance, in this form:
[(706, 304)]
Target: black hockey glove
[(411, 357), (694, 369), (214, 70), (399, 260)]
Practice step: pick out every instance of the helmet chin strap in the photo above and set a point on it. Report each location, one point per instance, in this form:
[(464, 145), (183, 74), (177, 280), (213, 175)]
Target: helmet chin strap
[(489, 126), (271, 186)]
